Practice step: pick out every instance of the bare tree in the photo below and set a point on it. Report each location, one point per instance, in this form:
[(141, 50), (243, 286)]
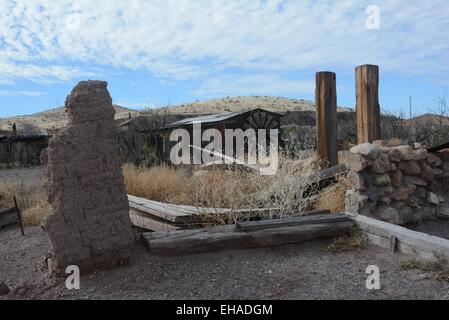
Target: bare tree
[(29, 129), (141, 138), (394, 125), (433, 128)]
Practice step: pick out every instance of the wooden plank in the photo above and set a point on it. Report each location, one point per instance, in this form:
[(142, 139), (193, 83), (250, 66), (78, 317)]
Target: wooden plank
[(325, 217), (329, 173), (326, 118), (144, 221), (226, 238), (7, 211), (183, 213), (439, 147), (367, 104), (8, 219), (159, 210), (407, 241), (173, 209)]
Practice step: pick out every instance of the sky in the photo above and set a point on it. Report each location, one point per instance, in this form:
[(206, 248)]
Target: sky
[(165, 52)]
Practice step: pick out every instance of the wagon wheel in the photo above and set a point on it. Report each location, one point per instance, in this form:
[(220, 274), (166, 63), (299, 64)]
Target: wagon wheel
[(260, 120)]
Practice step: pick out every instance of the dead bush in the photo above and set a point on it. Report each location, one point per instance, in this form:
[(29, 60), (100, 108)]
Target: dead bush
[(355, 240), (31, 198), (159, 183), (437, 267), (291, 190), (333, 198)]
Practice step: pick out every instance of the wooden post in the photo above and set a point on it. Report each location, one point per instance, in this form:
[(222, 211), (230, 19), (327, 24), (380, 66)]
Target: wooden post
[(19, 215), (368, 109), (326, 118), (26, 154)]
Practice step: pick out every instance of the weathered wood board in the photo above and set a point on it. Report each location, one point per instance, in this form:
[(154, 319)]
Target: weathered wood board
[(149, 223), (162, 210), (228, 238), (181, 214), (406, 241), (317, 217), (8, 217)]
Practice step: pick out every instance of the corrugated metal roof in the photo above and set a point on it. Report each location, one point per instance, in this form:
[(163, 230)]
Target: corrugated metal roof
[(213, 118), (206, 119)]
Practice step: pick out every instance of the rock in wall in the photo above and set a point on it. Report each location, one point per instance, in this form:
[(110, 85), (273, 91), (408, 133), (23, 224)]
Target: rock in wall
[(399, 184), (90, 225)]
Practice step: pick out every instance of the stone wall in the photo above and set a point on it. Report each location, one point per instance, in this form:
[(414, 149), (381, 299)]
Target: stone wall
[(90, 225), (399, 184)]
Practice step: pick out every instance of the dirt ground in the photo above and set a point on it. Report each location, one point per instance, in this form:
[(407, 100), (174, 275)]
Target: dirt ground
[(306, 271), (31, 175)]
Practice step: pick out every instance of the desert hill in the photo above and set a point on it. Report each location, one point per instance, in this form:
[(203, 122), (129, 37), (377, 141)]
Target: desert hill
[(237, 104), (51, 119), (57, 118), (426, 119)]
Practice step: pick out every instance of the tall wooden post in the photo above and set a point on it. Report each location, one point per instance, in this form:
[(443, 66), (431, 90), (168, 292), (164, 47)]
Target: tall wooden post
[(326, 118), (368, 109)]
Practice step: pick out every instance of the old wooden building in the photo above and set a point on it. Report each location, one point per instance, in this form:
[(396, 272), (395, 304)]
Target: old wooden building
[(22, 150), (251, 119)]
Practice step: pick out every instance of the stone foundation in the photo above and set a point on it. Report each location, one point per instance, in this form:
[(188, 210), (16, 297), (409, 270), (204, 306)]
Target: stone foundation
[(90, 225), (399, 184)]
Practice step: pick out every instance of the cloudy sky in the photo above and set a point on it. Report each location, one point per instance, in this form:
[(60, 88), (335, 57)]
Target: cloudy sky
[(158, 52)]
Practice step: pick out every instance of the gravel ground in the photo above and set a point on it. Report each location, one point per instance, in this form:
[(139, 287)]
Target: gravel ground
[(32, 175), (306, 271)]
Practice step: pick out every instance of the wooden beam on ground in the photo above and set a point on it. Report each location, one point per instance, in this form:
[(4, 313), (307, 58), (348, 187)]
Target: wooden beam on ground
[(367, 105), (8, 217), (439, 147), (145, 221), (6, 211), (181, 214), (393, 237), (228, 238), (326, 118), (317, 217), (161, 210)]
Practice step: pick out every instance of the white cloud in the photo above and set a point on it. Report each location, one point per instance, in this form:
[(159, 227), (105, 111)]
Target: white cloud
[(135, 105), (10, 93), (197, 39), (13, 70), (253, 85)]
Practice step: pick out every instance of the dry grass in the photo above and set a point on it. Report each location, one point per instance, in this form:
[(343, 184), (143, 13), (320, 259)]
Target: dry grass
[(438, 267), (353, 241), (333, 198), (159, 183), (394, 142), (289, 190), (31, 198)]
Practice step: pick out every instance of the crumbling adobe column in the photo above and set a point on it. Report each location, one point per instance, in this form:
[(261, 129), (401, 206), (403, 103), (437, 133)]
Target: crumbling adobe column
[(90, 225)]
